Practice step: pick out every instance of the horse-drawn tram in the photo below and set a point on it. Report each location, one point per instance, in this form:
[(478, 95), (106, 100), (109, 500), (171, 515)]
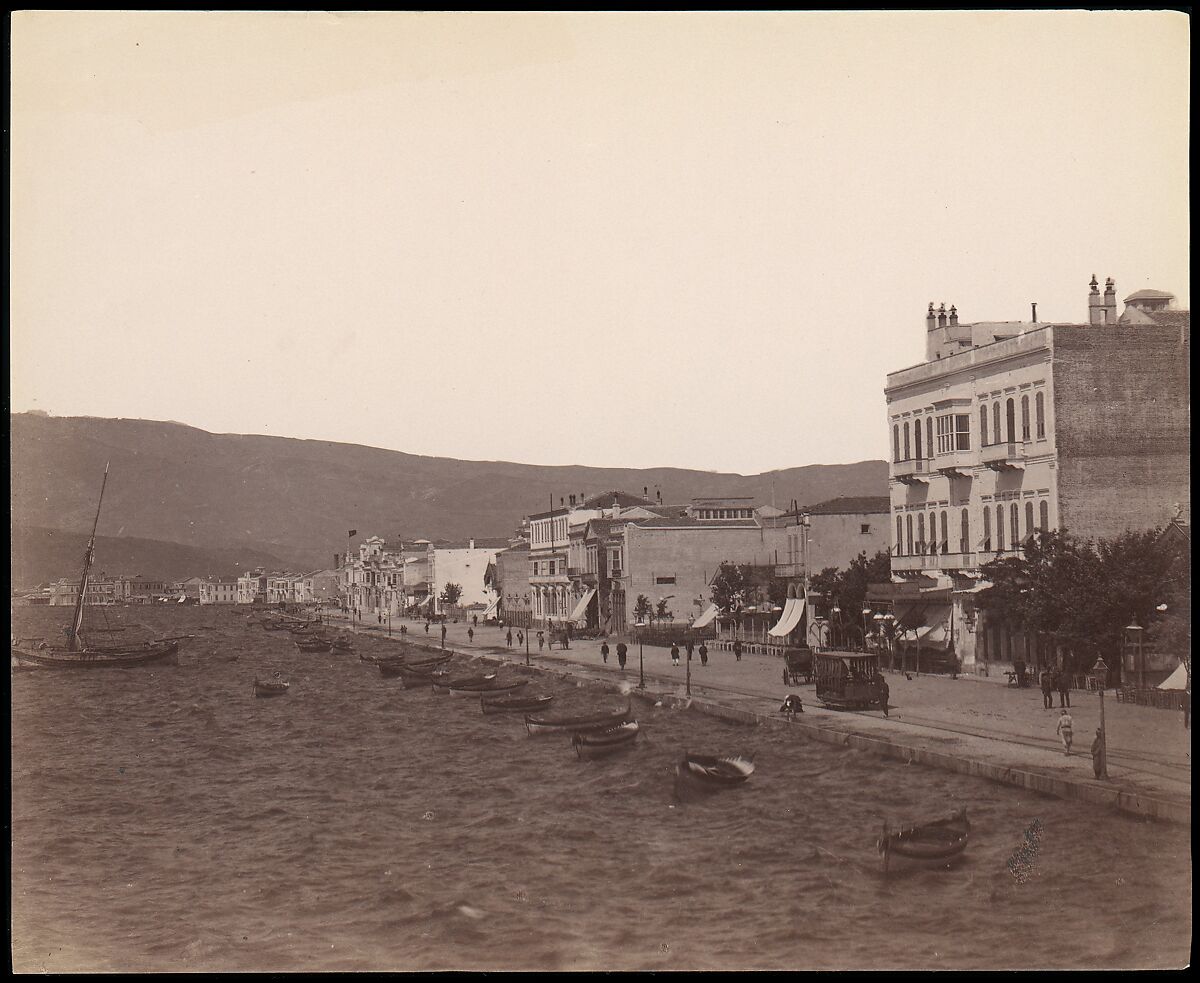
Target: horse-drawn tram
[(848, 680)]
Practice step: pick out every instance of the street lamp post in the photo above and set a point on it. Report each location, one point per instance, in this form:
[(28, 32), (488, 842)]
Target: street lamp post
[(639, 625), (527, 644), (1101, 671), (1135, 630), (889, 621), (866, 613)]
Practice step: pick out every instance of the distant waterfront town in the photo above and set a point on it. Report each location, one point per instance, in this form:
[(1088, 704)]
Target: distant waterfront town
[(1007, 430)]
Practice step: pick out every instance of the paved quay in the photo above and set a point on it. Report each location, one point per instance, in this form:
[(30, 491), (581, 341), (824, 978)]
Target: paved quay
[(972, 725)]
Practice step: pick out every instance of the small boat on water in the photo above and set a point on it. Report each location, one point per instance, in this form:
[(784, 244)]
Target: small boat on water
[(36, 653), (596, 721), (495, 688), (313, 644), (596, 743), (718, 771), (935, 843), (514, 704), (443, 684), (270, 689)]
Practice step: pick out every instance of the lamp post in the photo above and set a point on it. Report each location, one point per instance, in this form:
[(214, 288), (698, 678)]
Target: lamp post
[(1133, 636), (1101, 671), (835, 625), (889, 622), (866, 613), (639, 625)]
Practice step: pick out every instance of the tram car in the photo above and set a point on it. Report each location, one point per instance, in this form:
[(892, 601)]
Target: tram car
[(848, 680)]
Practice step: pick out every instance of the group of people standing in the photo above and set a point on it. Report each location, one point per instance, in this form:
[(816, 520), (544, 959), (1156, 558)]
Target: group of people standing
[(1055, 680)]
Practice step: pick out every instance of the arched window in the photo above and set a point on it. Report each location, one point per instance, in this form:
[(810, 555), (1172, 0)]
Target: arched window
[(1014, 522), (933, 536), (964, 540), (1029, 528), (983, 430), (999, 528), (1039, 410), (929, 436), (1011, 415), (997, 433), (1044, 515), (921, 533), (908, 528), (907, 452), (987, 529), (896, 442), (1024, 417), (945, 532), (917, 438), (899, 535)]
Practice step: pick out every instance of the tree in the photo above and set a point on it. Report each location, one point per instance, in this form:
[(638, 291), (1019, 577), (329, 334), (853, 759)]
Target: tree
[(661, 612), (451, 594), (730, 586), (642, 609)]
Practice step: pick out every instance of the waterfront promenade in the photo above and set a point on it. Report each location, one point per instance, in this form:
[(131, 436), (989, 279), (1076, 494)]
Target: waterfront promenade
[(980, 719)]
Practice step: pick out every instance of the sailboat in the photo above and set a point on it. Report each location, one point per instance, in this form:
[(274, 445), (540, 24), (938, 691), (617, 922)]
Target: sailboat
[(36, 653)]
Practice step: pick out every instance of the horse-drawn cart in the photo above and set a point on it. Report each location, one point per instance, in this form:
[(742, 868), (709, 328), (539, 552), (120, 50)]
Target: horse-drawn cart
[(797, 666)]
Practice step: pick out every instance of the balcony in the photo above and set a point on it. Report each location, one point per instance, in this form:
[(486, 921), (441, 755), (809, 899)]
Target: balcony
[(1003, 457), (911, 472), (937, 561), (956, 464)]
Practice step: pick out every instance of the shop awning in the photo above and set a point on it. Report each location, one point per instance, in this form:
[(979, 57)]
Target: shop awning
[(931, 630), (580, 611), (793, 611), (1177, 679), (706, 618), (491, 609)]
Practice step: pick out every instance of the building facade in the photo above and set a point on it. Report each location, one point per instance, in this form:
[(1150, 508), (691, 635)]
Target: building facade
[(219, 590), (1013, 427)]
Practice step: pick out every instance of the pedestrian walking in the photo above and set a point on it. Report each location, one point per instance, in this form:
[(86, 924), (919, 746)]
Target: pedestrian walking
[(737, 649), (674, 654), (1047, 691), (621, 653), (1019, 667), (1099, 765), (566, 636), (541, 639), (703, 654), (404, 629), (604, 652), (884, 693), (520, 638), (426, 627), (1064, 729), (1064, 689), (474, 621), (443, 631), (470, 634), (508, 638), (689, 646), (380, 617)]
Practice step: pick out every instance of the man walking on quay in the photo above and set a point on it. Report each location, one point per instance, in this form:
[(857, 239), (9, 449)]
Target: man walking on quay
[(621, 653), (443, 634), (541, 637), (703, 653), (1065, 725), (674, 654), (1064, 689), (737, 649), (604, 652), (470, 634), (1047, 691), (508, 638), (884, 693)]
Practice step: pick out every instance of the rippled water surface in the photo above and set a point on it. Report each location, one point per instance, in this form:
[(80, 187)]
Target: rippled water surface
[(164, 819)]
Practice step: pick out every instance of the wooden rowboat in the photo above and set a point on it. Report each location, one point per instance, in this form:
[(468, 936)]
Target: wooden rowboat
[(313, 645), (493, 687), (514, 704), (558, 725), (594, 743), (270, 689), (444, 684), (716, 771), (936, 843)]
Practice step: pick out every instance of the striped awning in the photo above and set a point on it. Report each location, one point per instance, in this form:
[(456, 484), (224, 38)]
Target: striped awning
[(707, 617), (580, 611), (793, 611)]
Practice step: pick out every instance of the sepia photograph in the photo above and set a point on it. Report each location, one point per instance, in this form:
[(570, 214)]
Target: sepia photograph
[(699, 491)]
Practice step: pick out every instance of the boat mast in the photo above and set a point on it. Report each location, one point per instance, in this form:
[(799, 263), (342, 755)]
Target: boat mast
[(75, 643)]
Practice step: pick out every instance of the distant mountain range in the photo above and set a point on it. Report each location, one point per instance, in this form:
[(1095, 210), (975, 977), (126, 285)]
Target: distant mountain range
[(182, 501)]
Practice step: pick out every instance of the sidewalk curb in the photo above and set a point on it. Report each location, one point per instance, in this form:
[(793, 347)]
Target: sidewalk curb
[(1149, 807)]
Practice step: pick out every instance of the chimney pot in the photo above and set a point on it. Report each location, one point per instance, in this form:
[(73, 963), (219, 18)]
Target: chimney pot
[(1034, 307)]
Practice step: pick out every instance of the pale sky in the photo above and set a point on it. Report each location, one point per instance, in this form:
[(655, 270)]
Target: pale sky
[(680, 239)]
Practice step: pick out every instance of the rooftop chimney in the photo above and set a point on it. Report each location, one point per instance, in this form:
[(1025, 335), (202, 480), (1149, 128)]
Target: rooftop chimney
[(1034, 306), (572, 501), (941, 316), (1110, 301), (930, 318), (1095, 303), (953, 316)]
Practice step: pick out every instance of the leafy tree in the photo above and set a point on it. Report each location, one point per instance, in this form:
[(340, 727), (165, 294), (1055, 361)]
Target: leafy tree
[(451, 594), (661, 612), (730, 587), (642, 609)]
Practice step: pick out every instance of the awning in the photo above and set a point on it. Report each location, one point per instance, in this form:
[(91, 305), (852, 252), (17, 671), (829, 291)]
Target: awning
[(580, 611), (491, 609), (707, 617), (1177, 679), (930, 631), (793, 611)]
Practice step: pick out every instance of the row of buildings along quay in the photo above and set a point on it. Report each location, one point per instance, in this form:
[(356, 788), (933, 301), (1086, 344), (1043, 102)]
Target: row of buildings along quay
[(1006, 428)]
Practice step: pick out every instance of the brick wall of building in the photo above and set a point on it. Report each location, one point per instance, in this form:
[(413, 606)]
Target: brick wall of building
[(1121, 401)]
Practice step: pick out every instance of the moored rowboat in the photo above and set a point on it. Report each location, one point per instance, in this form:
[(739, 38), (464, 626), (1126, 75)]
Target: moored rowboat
[(444, 685), (313, 645), (937, 842), (594, 743), (270, 689), (714, 770), (514, 704), (493, 687), (558, 725)]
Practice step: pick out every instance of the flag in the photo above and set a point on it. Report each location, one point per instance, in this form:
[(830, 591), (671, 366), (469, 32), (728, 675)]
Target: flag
[(351, 533)]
